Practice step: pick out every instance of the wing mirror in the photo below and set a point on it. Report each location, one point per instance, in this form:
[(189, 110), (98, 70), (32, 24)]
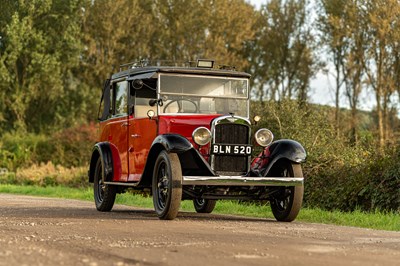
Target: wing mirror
[(137, 84), (153, 102)]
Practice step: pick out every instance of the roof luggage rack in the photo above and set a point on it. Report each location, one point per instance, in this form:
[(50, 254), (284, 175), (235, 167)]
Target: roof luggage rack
[(200, 63), (147, 62)]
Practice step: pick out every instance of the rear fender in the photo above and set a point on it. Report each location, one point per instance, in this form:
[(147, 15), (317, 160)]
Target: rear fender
[(109, 159)]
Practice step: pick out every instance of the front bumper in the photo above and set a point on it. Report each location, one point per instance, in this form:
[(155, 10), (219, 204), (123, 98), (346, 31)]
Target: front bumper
[(241, 181)]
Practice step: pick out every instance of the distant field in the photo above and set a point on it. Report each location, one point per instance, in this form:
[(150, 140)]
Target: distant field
[(376, 220)]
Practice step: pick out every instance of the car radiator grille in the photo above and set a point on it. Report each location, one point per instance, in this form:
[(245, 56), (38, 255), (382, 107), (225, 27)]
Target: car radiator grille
[(231, 134)]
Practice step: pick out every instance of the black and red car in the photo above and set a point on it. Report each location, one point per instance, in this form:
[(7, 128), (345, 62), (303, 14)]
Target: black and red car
[(184, 133)]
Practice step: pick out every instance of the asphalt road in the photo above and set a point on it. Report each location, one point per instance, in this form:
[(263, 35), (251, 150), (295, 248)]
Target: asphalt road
[(47, 231)]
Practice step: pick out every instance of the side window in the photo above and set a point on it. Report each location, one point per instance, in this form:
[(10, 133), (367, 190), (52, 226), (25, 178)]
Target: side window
[(121, 98), (143, 96), (105, 110)]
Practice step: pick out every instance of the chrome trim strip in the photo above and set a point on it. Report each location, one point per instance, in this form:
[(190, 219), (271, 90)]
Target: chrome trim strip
[(122, 184), (241, 181), (204, 96)]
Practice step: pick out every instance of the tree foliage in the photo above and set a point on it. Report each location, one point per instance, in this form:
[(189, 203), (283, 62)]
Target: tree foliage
[(362, 39), (40, 47), (281, 54)]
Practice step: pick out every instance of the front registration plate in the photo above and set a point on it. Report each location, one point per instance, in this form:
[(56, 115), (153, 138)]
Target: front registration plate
[(231, 149)]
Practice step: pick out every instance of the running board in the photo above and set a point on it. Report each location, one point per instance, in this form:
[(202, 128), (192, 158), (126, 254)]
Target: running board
[(121, 184)]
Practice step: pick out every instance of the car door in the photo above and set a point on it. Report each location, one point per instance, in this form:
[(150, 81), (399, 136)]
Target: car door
[(118, 130), (142, 129)]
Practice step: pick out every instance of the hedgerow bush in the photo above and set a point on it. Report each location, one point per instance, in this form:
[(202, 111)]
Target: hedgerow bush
[(47, 175), (18, 149), (338, 175), (70, 147)]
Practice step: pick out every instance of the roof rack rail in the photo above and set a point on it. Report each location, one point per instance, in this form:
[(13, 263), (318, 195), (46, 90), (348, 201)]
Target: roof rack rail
[(147, 62), (227, 67), (170, 63)]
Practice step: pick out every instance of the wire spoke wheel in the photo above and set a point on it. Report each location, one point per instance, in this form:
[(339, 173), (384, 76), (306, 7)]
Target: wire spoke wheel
[(100, 188), (104, 195), (286, 203), (163, 186), (204, 205), (167, 185)]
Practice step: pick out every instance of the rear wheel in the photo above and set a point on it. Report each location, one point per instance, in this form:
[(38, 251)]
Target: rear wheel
[(287, 202), (104, 195), (167, 185), (204, 205)]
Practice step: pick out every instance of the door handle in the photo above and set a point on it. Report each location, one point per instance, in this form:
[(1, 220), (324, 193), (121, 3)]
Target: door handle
[(125, 124), (135, 136)]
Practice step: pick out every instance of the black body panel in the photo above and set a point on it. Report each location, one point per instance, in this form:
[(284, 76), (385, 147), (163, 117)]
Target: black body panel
[(102, 150)]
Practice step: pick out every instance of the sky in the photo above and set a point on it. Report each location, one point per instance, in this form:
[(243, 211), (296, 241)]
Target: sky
[(322, 85)]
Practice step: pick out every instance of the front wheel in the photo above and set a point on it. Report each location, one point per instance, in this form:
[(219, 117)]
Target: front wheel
[(167, 185), (287, 202), (204, 205), (104, 195)]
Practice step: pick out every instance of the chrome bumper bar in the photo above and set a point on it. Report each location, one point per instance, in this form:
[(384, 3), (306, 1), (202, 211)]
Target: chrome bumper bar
[(241, 181)]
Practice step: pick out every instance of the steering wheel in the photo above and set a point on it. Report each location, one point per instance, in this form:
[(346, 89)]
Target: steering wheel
[(179, 102)]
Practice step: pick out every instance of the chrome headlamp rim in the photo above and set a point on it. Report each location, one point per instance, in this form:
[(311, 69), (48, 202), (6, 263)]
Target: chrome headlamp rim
[(198, 141), (261, 139)]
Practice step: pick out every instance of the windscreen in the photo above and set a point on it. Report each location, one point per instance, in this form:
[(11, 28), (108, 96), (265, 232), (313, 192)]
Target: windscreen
[(204, 94)]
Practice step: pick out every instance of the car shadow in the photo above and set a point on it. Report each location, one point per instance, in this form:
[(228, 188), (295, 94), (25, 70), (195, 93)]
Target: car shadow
[(119, 213)]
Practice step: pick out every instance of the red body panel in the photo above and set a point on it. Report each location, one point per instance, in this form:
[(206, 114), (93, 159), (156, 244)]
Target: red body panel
[(184, 124), (142, 132), (115, 131), (131, 139), (261, 161)]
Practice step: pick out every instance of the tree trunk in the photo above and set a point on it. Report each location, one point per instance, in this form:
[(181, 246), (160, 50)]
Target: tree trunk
[(380, 119), (337, 103)]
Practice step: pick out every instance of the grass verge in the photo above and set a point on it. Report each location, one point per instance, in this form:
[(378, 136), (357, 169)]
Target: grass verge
[(375, 220)]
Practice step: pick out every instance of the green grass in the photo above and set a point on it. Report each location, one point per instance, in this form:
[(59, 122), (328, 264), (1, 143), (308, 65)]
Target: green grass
[(375, 220)]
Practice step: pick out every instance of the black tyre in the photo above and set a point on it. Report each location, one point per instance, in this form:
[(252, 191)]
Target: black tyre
[(104, 195), (204, 205), (167, 185), (286, 204)]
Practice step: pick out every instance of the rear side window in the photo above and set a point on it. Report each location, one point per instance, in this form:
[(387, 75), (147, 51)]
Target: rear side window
[(121, 98), (143, 96)]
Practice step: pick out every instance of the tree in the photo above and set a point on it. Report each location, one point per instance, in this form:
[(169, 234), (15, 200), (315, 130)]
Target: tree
[(179, 29), (383, 20), (282, 54), (188, 30), (333, 27), (353, 70), (114, 33), (40, 45), (230, 26)]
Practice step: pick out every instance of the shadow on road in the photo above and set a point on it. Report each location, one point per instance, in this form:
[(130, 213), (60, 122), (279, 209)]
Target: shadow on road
[(119, 213)]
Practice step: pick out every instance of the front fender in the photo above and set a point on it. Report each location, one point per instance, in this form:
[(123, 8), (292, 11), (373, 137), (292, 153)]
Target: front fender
[(190, 158), (288, 149), (172, 143), (280, 149)]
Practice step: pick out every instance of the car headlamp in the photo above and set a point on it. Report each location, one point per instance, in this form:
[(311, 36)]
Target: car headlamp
[(264, 137), (201, 136)]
